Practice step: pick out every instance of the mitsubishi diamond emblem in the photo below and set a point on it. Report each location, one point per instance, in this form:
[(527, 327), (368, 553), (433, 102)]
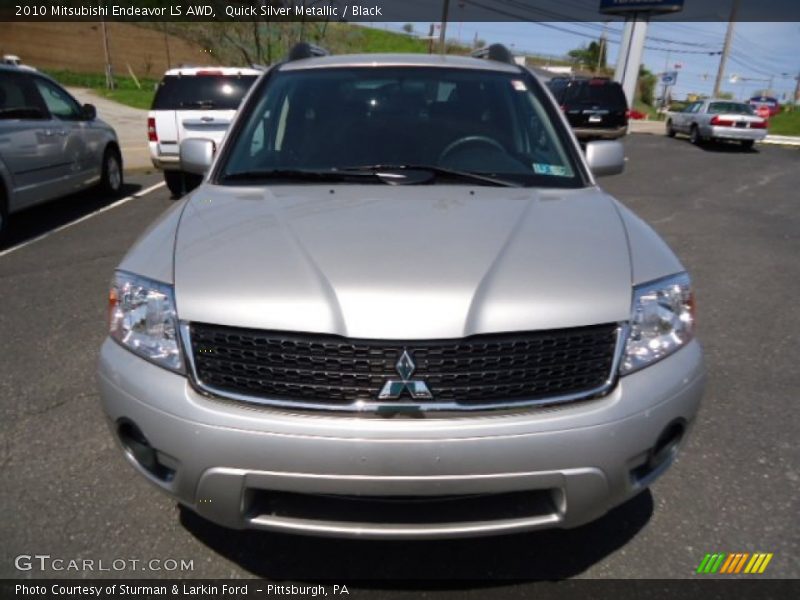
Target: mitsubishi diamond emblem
[(394, 388)]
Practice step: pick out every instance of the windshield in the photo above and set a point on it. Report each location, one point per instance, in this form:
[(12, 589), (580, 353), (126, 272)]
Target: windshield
[(736, 108), (596, 92), (185, 92), (452, 120)]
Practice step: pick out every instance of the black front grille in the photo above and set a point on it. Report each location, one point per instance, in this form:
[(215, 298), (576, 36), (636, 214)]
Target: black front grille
[(336, 371)]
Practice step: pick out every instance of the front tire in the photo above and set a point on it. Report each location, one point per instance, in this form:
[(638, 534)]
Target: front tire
[(174, 181), (111, 178), (180, 183), (670, 129), (3, 216)]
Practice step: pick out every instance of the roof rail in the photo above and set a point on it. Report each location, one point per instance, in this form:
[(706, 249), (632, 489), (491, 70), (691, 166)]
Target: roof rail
[(305, 50), (496, 52)]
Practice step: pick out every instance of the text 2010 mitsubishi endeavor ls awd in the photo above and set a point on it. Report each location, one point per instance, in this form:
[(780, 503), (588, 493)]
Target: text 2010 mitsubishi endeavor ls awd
[(400, 306)]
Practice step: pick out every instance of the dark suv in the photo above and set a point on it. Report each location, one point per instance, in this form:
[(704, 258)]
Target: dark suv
[(595, 107)]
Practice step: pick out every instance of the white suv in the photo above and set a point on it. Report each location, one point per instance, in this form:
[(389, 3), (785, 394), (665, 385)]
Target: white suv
[(197, 102)]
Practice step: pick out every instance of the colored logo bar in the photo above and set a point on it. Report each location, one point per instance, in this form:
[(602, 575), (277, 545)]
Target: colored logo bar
[(734, 562)]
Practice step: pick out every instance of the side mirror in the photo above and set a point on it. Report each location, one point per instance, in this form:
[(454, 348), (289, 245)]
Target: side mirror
[(197, 155), (605, 158), (89, 112)]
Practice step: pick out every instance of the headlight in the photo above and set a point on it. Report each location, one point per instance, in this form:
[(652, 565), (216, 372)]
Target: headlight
[(662, 321), (142, 318)]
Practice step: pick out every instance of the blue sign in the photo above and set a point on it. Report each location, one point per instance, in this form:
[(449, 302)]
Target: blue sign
[(669, 78), (616, 7)]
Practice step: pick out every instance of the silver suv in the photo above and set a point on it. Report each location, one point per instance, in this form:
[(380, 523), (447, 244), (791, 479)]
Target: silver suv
[(399, 306)]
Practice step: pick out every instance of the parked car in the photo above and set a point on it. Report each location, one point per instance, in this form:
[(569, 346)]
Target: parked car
[(595, 107), (197, 102), (767, 102), (50, 145), (400, 306), (718, 120), (12, 60)]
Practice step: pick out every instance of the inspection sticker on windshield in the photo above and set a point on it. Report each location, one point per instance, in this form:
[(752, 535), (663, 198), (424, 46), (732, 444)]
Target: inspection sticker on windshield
[(519, 85), (543, 169)]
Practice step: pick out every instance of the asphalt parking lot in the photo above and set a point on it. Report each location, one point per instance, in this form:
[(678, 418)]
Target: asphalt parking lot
[(733, 218)]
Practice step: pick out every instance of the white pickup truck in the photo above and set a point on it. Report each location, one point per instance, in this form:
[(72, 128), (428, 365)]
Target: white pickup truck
[(197, 102)]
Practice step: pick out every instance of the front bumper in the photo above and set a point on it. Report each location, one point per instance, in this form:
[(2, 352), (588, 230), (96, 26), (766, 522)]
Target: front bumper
[(225, 459)]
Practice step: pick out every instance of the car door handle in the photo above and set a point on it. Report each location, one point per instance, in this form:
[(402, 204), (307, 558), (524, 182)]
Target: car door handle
[(61, 132)]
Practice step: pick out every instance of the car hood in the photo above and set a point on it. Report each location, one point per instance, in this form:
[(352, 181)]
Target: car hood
[(401, 262)]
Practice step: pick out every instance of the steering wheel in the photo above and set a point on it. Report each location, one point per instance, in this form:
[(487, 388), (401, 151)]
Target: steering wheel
[(470, 139)]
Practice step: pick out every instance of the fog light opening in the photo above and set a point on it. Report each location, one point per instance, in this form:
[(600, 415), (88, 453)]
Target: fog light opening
[(666, 446), (139, 449)]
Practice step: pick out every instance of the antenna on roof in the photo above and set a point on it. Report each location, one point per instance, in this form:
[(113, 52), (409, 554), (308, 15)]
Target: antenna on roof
[(305, 50), (496, 52)]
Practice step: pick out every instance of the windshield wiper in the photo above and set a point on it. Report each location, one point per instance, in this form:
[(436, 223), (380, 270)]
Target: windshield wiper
[(384, 170), (320, 176)]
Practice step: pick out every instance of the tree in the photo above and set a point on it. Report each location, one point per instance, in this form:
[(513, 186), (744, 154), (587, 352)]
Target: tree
[(589, 56), (408, 28), (646, 86)]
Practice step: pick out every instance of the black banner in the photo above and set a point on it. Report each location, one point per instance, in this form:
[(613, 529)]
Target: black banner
[(743, 588), (393, 10)]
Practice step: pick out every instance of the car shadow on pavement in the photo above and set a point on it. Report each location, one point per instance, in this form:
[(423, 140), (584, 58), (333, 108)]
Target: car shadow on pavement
[(545, 555), (727, 148), (33, 222)]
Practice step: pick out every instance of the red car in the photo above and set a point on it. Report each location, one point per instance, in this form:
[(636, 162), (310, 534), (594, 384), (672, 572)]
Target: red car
[(758, 102)]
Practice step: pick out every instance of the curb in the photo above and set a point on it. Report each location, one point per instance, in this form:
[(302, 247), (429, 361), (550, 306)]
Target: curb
[(782, 140)]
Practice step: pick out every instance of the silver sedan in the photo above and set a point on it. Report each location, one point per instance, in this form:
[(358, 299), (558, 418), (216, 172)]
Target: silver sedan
[(50, 145), (716, 119)]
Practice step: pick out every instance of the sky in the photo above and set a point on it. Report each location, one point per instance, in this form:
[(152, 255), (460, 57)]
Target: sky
[(760, 50)]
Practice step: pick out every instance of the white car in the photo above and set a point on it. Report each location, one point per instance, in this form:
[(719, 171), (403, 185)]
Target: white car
[(718, 120), (197, 102), (12, 60)]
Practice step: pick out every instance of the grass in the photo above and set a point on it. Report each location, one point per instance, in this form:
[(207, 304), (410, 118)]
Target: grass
[(126, 91), (786, 123)]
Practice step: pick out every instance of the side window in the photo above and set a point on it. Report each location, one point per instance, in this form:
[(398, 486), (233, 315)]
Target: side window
[(19, 99), (445, 91), (60, 104)]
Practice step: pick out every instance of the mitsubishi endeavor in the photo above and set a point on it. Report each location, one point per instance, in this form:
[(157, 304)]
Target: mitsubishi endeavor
[(400, 306)]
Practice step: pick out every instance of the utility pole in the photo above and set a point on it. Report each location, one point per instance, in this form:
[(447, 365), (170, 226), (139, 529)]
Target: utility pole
[(443, 29), (166, 46), (109, 71), (796, 98), (664, 90), (726, 48), (602, 48)]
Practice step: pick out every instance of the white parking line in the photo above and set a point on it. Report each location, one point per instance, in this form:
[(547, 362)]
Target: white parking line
[(119, 202)]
